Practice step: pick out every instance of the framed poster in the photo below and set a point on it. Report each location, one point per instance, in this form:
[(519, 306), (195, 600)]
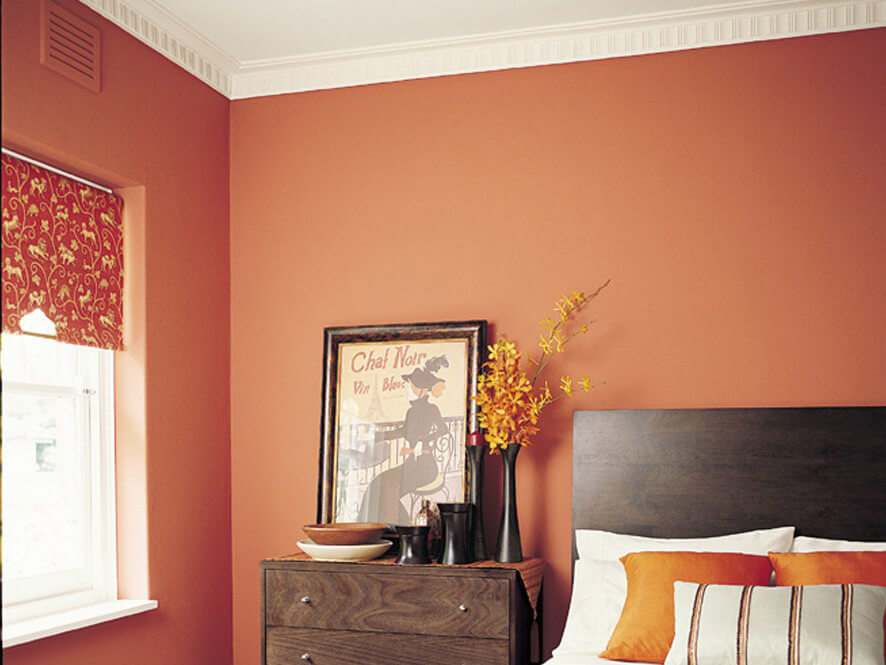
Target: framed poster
[(397, 410)]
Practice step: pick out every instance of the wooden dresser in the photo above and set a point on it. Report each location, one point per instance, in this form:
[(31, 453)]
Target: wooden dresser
[(323, 613)]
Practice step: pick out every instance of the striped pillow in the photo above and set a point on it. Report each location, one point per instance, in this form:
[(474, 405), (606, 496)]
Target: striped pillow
[(755, 625)]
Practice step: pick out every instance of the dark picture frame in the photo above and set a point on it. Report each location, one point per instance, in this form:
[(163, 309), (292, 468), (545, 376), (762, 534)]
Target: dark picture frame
[(367, 458)]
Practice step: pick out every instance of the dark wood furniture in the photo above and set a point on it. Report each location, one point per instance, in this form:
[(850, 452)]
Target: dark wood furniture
[(706, 472), (324, 613)]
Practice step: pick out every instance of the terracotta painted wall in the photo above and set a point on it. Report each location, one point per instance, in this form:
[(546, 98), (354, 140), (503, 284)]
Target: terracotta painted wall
[(734, 195), (153, 126)]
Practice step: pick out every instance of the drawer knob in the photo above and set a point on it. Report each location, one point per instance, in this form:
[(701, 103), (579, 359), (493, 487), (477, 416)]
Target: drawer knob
[(306, 657), (307, 601), (462, 608)]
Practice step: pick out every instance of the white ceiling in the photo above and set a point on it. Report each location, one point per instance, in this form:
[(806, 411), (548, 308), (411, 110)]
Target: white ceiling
[(272, 29), (251, 48)]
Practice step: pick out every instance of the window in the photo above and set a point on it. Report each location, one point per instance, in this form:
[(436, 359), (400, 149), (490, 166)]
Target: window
[(58, 477)]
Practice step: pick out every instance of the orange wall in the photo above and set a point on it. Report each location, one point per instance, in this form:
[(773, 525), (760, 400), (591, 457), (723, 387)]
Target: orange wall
[(153, 126), (735, 195)]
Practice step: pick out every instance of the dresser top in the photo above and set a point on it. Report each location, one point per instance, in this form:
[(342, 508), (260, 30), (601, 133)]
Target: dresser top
[(526, 566)]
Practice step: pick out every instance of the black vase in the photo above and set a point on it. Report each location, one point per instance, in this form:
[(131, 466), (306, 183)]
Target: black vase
[(508, 548), (455, 547), (476, 455), (413, 545)]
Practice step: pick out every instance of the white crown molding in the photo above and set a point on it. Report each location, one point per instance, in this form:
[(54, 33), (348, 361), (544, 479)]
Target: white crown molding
[(152, 24), (716, 25), (671, 31)]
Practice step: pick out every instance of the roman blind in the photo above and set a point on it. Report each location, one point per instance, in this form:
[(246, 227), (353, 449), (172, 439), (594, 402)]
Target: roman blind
[(62, 254)]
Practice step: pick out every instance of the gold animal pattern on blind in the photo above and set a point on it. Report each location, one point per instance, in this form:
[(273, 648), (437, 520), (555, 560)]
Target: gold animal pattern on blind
[(63, 253)]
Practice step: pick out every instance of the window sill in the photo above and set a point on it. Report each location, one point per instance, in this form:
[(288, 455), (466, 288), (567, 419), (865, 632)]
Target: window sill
[(62, 622)]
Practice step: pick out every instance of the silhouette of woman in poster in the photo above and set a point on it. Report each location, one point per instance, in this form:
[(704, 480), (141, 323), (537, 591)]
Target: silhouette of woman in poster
[(422, 428)]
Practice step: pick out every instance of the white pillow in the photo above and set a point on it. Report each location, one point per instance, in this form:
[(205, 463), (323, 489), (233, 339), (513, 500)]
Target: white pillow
[(609, 546), (599, 589), (806, 544), (600, 586), (778, 625)]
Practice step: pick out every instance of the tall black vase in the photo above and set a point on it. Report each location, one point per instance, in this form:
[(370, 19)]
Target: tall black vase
[(478, 535), (508, 548)]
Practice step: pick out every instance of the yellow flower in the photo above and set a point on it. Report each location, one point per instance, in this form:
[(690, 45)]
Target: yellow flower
[(566, 385), (547, 392), (509, 403), (545, 344)]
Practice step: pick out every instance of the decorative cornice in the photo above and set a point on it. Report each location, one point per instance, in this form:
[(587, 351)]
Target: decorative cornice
[(716, 25), (148, 22)]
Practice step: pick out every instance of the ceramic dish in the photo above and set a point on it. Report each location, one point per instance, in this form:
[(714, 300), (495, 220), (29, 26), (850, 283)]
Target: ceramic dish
[(345, 533), (365, 552)]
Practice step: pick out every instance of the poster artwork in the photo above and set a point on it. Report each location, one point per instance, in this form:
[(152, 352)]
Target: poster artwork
[(400, 428)]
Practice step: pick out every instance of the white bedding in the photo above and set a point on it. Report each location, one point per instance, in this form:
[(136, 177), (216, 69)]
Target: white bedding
[(600, 586), (584, 658)]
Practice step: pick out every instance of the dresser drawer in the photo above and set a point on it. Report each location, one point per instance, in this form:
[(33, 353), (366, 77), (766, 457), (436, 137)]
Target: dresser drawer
[(387, 603), (306, 646)]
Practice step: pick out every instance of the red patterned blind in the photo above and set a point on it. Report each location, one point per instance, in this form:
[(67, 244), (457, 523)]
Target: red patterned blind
[(62, 253)]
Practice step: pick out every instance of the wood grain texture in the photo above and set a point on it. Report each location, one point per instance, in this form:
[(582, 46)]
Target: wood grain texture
[(395, 608), (531, 570), (286, 646), (388, 603), (705, 472)]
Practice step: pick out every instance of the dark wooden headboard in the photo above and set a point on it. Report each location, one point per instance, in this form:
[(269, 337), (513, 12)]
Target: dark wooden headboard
[(705, 472)]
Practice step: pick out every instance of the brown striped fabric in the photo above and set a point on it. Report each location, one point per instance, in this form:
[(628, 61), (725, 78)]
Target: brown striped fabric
[(744, 617), (826, 624), (794, 626), (846, 623), (693, 626)]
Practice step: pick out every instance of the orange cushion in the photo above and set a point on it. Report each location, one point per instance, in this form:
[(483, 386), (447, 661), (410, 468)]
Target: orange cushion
[(796, 569), (646, 627)]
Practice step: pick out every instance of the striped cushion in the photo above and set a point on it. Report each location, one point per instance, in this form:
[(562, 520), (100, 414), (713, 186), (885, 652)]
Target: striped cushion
[(834, 624)]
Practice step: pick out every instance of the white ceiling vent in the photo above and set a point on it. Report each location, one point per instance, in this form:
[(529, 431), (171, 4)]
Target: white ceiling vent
[(69, 45)]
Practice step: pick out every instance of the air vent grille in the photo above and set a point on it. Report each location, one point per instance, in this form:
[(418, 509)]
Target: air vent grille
[(70, 46)]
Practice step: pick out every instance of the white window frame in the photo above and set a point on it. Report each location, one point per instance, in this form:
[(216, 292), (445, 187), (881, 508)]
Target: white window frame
[(37, 597)]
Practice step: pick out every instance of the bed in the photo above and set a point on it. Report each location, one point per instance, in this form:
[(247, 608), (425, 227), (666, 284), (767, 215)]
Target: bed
[(697, 473), (578, 658)]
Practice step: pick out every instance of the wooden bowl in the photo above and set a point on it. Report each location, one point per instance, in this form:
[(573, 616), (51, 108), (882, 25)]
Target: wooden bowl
[(345, 533)]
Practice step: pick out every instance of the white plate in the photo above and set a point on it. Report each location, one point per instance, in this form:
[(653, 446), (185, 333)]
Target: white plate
[(344, 552)]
